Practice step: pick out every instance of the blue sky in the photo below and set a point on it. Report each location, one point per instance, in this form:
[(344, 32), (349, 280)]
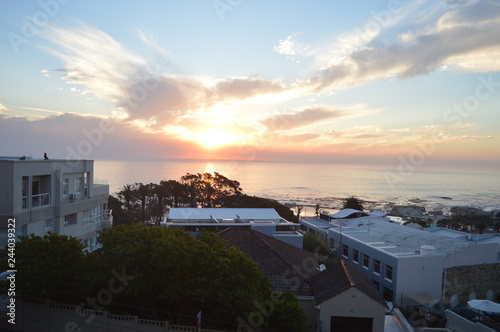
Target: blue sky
[(327, 81)]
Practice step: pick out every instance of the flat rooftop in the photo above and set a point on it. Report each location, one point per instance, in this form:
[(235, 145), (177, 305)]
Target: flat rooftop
[(392, 238), (225, 215)]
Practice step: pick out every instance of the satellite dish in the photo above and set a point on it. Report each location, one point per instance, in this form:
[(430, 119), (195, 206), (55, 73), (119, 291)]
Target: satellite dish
[(390, 306)]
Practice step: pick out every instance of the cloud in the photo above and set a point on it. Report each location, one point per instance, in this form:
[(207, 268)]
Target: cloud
[(103, 67), (3, 109), (458, 38), (305, 117), (77, 136)]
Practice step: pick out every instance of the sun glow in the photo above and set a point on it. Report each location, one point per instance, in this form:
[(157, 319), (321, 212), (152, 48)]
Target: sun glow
[(214, 138)]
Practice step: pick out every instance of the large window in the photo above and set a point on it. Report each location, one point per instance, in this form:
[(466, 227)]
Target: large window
[(356, 256), (388, 272), (376, 266), (345, 250)]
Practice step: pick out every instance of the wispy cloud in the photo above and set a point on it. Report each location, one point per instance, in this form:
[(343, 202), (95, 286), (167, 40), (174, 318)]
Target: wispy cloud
[(305, 117), (457, 38)]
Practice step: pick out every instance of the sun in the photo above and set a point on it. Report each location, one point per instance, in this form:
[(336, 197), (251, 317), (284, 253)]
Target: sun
[(214, 138)]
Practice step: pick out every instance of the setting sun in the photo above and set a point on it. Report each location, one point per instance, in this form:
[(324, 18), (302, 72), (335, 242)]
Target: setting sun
[(214, 138)]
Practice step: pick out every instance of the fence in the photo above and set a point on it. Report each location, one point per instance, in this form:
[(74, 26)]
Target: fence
[(46, 316)]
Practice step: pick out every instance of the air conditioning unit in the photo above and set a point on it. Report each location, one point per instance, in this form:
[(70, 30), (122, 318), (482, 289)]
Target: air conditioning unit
[(72, 197)]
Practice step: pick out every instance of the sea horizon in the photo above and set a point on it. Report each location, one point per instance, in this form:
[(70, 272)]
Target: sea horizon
[(307, 184)]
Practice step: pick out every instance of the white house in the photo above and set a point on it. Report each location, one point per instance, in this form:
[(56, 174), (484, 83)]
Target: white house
[(264, 220), (56, 196), (346, 300), (403, 260)]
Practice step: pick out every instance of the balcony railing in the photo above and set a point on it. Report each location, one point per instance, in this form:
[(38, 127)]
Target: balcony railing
[(40, 200)]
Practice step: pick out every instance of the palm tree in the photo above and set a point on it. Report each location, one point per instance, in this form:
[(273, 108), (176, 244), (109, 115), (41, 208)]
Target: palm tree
[(126, 195)]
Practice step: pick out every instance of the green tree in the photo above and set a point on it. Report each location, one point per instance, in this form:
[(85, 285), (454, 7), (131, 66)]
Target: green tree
[(127, 196), (176, 276), (318, 245), (48, 266), (288, 315), (353, 203)]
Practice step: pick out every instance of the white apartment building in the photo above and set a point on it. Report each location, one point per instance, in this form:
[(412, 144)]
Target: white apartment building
[(56, 196), (403, 260)]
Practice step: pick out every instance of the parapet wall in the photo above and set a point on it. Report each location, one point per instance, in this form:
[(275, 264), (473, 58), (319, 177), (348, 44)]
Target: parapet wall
[(464, 283)]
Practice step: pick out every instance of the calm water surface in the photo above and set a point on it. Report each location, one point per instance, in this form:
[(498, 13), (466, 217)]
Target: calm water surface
[(308, 184)]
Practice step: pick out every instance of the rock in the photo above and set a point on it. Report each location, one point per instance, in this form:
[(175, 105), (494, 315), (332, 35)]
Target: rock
[(407, 211), (465, 210), (436, 213)]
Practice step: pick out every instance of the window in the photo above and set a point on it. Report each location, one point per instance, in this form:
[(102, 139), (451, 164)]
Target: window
[(332, 243), (366, 261), (388, 272), (78, 185), (25, 192), (377, 285), (65, 187), (49, 224), (388, 295), (345, 250), (376, 266), (356, 256), (70, 219)]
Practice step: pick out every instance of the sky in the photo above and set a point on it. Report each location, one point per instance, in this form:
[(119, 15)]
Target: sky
[(405, 83)]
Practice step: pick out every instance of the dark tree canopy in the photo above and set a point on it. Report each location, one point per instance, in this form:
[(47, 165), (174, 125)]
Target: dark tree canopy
[(353, 203), (245, 201), (48, 266)]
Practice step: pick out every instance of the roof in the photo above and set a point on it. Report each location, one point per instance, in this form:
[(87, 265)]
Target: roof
[(278, 260), (393, 238), (340, 277), (346, 213), (223, 214)]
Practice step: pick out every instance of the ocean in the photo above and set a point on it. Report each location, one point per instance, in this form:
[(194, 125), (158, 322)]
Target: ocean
[(307, 184)]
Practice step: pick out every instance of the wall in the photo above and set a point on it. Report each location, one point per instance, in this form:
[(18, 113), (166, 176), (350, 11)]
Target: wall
[(420, 274), (484, 253), (461, 281), (353, 303)]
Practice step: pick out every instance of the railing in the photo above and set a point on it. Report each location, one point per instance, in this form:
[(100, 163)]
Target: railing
[(40, 200)]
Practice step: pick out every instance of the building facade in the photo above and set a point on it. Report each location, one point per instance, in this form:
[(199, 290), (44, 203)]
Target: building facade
[(57, 196), (401, 260)]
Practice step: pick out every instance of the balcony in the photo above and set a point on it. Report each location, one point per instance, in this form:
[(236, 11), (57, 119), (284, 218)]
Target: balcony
[(107, 219), (39, 200)]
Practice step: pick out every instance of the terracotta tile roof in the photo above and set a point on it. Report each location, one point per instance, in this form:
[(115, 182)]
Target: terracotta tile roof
[(339, 278), (288, 267)]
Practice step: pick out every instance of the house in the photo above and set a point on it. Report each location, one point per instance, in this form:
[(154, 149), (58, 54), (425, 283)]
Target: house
[(59, 196), (403, 261), (289, 268), (347, 300), (263, 220)]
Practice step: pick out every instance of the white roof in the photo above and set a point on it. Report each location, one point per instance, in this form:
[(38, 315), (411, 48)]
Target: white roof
[(223, 213), (342, 214), (392, 238)]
